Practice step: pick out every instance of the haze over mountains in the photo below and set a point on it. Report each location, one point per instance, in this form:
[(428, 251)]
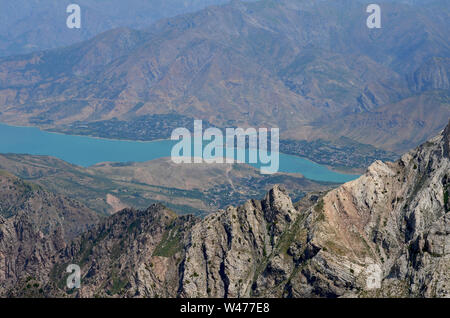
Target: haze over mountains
[(32, 25), (313, 69)]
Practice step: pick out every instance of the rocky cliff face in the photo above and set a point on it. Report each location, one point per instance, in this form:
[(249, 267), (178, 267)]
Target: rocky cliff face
[(392, 219), (34, 226), (240, 252), (131, 254)]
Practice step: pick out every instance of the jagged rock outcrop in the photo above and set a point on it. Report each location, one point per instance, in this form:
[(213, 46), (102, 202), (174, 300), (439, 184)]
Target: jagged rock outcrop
[(34, 226), (394, 218), (131, 254), (228, 251), (233, 253)]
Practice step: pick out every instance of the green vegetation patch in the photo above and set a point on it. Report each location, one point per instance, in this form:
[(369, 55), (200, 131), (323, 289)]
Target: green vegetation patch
[(118, 283), (319, 209), (170, 243)]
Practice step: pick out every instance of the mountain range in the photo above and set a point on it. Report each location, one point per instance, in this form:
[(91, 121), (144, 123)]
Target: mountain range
[(34, 25), (313, 69)]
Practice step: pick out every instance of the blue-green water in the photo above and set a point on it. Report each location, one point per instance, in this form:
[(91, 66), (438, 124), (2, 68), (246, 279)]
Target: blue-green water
[(87, 151)]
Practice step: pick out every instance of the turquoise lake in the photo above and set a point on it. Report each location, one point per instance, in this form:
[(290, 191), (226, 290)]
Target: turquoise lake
[(86, 151)]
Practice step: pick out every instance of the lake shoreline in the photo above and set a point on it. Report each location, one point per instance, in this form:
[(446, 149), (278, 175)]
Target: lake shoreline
[(87, 151)]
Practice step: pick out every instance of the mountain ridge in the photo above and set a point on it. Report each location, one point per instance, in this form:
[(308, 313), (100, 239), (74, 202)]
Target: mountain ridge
[(34, 25), (34, 225)]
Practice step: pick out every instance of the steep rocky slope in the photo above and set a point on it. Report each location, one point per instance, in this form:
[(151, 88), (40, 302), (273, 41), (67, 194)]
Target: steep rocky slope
[(384, 234), (399, 125), (34, 225), (133, 253), (434, 74), (395, 218)]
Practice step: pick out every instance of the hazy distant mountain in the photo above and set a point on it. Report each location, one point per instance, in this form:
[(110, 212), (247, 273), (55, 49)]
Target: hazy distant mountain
[(301, 66), (31, 25)]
